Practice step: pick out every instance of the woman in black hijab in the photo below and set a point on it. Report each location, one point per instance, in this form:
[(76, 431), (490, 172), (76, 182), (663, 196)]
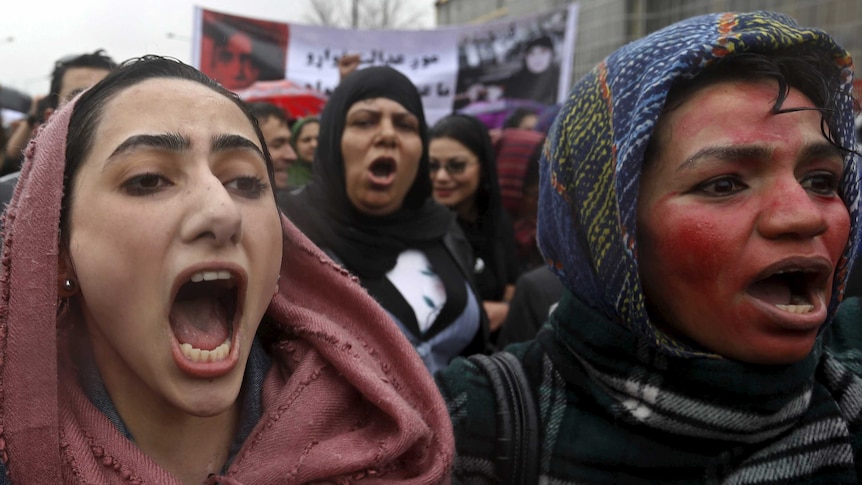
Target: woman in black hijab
[(369, 207), (539, 76)]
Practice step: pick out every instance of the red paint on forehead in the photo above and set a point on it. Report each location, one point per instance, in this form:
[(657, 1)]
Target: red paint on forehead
[(741, 125)]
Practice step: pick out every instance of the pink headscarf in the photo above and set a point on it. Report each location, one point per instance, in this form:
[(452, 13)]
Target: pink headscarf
[(346, 399)]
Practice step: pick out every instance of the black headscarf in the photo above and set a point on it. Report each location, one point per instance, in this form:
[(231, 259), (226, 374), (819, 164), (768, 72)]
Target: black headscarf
[(537, 86), (366, 245), (486, 230)]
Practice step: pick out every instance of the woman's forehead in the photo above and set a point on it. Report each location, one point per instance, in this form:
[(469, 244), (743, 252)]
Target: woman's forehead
[(172, 105)]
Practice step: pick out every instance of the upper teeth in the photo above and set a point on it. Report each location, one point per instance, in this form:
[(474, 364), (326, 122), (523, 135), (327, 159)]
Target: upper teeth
[(782, 271), (210, 276)]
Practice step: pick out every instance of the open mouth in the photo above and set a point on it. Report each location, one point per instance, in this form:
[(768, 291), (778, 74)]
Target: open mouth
[(202, 315), (382, 171), (793, 289)]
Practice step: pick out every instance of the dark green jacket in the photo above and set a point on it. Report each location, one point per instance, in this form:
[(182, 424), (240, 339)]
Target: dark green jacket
[(683, 420)]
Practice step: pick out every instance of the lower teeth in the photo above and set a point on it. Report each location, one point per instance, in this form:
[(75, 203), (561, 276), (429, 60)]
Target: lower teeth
[(197, 355), (796, 308)]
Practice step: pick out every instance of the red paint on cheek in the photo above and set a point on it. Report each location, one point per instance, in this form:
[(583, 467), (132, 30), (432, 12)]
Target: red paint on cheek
[(691, 243), (691, 266)]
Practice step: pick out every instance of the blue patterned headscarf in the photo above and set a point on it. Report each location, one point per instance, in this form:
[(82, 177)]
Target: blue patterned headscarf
[(591, 165)]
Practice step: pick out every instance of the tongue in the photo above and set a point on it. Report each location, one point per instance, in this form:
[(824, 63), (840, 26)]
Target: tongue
[(201, 322), (774, 291), (381, 173)]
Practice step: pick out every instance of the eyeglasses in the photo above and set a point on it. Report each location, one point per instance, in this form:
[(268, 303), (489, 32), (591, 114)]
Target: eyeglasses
[(454, 167)]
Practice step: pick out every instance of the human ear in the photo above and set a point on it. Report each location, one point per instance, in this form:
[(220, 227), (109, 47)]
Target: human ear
[(67, 283)]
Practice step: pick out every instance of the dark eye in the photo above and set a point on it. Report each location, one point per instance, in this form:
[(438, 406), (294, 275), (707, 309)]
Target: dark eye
[(721, 186), (457, 167), (433, 167), (249, 186), (408, 124), (146, 184), (361, 122), (821, 183)]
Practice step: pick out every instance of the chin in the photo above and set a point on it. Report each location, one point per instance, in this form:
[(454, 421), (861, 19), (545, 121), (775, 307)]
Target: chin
[(210, 403), (778, 355), (211, 397)]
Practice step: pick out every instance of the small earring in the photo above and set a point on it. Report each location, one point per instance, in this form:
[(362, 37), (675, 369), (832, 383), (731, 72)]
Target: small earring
[(70, 285)]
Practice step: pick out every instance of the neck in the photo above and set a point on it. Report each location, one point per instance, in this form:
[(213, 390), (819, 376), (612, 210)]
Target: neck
[(190, 447), (467, 210)]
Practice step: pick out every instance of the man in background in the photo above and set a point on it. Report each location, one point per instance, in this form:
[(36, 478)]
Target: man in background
[(276, 133), (71, 75)]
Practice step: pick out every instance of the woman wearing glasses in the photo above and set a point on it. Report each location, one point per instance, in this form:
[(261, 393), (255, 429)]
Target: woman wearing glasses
[(464, 178), (369, 207)]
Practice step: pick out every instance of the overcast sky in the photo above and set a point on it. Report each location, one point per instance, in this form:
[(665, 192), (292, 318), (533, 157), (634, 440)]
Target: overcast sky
[(42, 31)]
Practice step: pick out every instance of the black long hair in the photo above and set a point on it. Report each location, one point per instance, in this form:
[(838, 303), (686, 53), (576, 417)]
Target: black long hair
[(473, 134)]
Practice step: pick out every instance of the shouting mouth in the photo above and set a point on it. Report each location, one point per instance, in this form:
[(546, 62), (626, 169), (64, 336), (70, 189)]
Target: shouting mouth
[(795, 286), (382, 171), (202, 317)]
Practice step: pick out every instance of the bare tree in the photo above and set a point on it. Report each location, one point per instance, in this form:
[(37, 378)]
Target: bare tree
[(366, 14), (327, 12)]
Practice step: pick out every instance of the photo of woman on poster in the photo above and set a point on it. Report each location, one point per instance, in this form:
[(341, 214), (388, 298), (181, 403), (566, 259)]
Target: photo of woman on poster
[(237, 51), (539, 76), (510, 66)]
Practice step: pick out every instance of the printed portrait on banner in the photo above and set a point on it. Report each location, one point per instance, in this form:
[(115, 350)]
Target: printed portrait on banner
[(237, 51)]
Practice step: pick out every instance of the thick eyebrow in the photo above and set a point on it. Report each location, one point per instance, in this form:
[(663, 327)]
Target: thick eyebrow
[(175, 142), (234, 142), (820, 151), (748, 152)]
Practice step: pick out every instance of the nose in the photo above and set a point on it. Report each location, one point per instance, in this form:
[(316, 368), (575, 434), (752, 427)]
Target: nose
[(242, 70), (791, 212), (440, 174), (387, 133), (289, 152), (212, 214)]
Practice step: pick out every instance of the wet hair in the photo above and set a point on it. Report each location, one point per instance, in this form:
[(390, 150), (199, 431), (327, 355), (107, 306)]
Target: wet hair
[(89, 110), (473, 134), (96, 60), (263, 110), (801, 67)]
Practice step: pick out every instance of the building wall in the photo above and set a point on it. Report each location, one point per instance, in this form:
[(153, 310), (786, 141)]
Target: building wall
[(605, 25)]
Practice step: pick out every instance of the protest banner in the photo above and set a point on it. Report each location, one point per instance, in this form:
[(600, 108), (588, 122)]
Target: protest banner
[(486, 70)]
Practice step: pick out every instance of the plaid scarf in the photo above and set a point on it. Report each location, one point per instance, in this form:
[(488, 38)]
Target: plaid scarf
[(616, 411)]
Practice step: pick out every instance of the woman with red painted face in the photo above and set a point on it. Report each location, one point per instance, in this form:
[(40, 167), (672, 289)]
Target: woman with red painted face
[(162, 322), (369, 206), (699, 202)]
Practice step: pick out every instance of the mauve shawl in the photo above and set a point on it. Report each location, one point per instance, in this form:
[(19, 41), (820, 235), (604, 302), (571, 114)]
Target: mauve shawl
[(346, 399)]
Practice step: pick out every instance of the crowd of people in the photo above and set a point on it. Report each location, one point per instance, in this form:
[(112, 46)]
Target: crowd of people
[(645, 284)]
